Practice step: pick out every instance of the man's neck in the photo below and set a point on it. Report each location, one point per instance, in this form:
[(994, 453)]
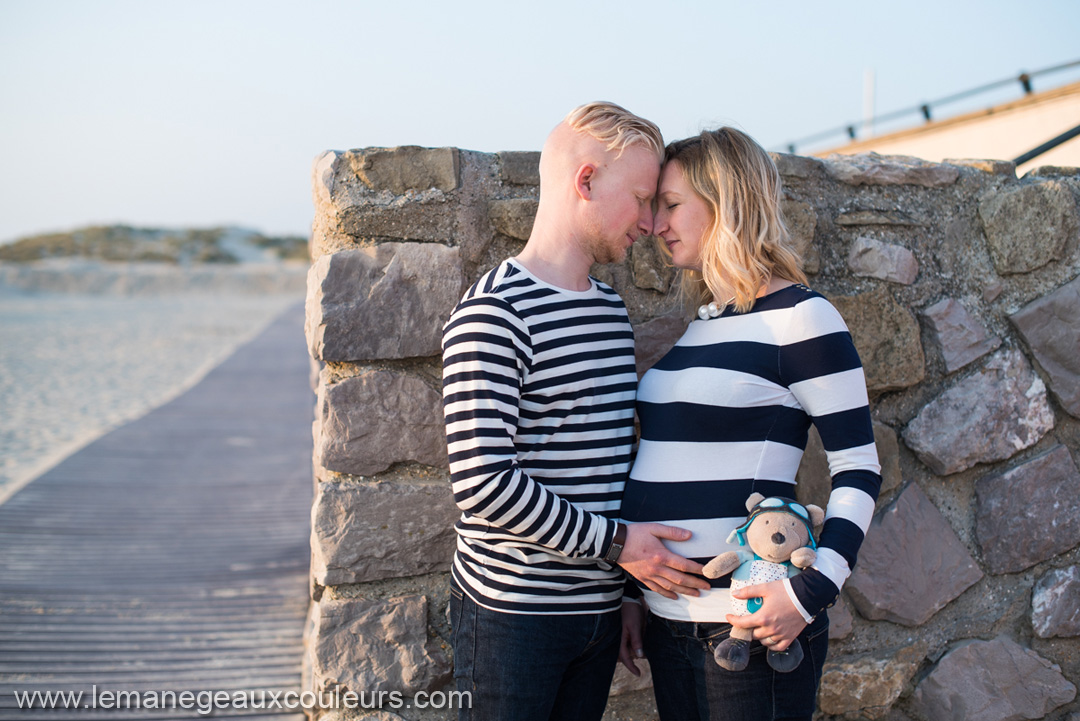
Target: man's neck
[(556, 260)]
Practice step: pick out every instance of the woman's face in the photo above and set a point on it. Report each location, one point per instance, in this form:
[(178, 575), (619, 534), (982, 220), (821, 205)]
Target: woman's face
[(682, 218)]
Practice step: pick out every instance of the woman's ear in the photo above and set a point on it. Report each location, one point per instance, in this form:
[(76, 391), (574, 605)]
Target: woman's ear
[(583, 181)]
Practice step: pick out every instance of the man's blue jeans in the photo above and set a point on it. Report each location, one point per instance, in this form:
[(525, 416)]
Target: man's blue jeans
[(532, 667), (690, 685)]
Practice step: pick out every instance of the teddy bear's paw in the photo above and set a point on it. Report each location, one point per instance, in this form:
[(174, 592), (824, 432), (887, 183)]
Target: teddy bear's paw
[(785, 661), (733, 654)]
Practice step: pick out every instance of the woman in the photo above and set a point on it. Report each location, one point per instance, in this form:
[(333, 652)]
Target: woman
[(726, 413)]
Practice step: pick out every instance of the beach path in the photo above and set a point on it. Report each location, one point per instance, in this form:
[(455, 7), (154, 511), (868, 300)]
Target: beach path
[(172, 553)]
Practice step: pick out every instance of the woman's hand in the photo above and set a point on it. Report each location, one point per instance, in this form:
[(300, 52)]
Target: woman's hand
[(777, 623), (633, 625)]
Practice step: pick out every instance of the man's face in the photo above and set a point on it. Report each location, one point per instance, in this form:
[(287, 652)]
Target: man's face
[(621, 209)]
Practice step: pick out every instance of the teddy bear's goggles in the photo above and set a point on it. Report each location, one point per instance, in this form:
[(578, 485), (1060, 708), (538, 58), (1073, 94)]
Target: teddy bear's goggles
[(777, 504)]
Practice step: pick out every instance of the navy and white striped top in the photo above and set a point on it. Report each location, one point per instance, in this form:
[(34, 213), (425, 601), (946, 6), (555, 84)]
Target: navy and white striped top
[(726, 412), (538, 392)]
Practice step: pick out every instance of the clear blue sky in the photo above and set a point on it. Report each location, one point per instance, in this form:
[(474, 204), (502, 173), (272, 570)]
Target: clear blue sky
[(209, 112)]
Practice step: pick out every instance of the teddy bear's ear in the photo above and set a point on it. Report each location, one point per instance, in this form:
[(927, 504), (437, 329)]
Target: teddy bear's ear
[(817, 516), (754, 499)]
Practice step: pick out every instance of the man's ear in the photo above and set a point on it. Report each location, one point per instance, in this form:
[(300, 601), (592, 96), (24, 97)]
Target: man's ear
[(583, 181)]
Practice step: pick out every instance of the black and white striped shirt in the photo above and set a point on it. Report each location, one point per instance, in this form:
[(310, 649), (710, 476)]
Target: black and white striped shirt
[(726, 413), (538, 393)]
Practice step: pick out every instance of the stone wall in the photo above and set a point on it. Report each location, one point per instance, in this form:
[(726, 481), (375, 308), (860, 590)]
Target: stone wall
[(960, 285)]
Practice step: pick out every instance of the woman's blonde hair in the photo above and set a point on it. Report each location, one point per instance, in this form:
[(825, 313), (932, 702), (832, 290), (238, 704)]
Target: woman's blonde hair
[(747, 243)]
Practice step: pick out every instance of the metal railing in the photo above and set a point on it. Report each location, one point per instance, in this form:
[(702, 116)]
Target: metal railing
[(924, 109)]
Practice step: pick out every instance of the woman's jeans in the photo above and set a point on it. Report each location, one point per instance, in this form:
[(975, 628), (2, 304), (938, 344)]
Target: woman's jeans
[(691, 686), (532, 667)]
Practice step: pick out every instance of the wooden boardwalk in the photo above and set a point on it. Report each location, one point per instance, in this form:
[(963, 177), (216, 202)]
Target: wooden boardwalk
[(172, 553)]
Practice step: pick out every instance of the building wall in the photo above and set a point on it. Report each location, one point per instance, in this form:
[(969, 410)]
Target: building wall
[(960, 285)]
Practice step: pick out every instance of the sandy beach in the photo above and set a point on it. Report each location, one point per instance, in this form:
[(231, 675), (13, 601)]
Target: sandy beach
[(86, 347)]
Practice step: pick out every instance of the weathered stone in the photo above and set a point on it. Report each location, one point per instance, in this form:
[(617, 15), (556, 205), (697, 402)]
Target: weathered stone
[(513, 217), (874, 169), (887, 338), (1051, 328), (654, 338), (992, 681), (1055, 603), (1029, 226), (960, 337), (1016, 508), (626, 682), (795, 166), (520, 168), (1053, 171), (994, 167), (993, 290), (887, 261), (369, 531), (407, 167), (911, 564), (813, 482), (801, 221), (371, 646), (427, 217), (389, 301), (649, 267), (376, 419), (868, 684), (877, 217), (988, 416), (841, 619)]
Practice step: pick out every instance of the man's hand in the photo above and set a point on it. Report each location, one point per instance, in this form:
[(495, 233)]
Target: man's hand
[(777, 623), (633, 623), (647, 559)]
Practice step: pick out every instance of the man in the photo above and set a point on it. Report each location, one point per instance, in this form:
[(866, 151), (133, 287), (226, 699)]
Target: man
[(538, 387)]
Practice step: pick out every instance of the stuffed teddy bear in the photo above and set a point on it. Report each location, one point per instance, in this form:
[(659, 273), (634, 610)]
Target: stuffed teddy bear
[(778, 532)]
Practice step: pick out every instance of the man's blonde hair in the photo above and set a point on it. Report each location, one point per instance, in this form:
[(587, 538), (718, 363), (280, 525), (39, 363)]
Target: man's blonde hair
[(616, 127), (747, 243)]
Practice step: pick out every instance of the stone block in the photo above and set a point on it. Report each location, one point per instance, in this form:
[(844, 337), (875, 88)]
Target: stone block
[(994, 167), (424, 218), (801, 221), (911, 564), (1029, 226), (389, 301), (959, 336), (379, 418), (887, 338), (1016, 508), (877, 217), (868, 685), (886, 261), (654, 338), (988, 416), (992, 681), (649, 267), (370, 531), (407, 167), (372, 646), (813, 482), (513, 217), (1051, 328), (874, 169), (520, 168), (1055, 603), (795, 166)]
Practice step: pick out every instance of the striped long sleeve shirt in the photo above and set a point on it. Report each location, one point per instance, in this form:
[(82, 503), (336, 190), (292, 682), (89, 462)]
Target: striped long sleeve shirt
[(538, 393), (726, 413)]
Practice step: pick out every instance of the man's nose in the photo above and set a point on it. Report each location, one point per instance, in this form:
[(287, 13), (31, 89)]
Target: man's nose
[(645, 221)]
